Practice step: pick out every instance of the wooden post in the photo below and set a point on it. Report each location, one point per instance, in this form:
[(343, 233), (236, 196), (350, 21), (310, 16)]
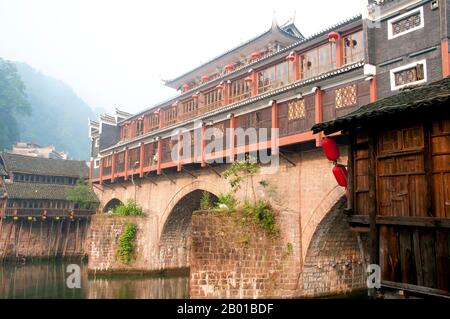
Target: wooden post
[(297, 68), (29, 238), (372, 203), (274, 130), (340, 52), (226, 94), (254, 88), (113, 167), (77, 235), (141, 161), (49, 238), (179, 148), (318, 102), (101, 170), (203, 145), (373, 88), (18, 239), (232, 138), (158, 162), (445, 58), (126, 163), (41, 240), (66, 239), (8, 239), (351, 173), (58, 236)]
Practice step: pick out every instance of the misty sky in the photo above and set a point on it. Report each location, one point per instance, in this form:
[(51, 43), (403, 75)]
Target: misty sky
[(115, 53)]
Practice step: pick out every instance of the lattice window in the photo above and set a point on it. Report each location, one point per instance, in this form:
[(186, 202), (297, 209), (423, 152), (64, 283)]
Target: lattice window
[(296, 110), (407, 23), (410, 75), (346, 96)]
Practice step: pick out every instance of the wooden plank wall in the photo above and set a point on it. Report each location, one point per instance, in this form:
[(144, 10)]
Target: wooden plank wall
[(412, 182)]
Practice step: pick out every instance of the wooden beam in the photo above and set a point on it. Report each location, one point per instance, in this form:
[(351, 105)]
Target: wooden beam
[(141, 160), (126, 163), (287, 159), (214, 170), (372, 204), (168, 177), (318, 111), (274, 140), (351, 174), (430, 222), (113, 166), (159, 156), (189, 172), (416, 289)]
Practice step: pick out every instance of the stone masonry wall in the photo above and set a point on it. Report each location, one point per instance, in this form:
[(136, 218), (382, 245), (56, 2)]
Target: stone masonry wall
[(235, 259), (102, 244), (335, 262)]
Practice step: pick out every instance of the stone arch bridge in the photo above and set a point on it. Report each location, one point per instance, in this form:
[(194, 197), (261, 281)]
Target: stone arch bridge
[(302, 191)]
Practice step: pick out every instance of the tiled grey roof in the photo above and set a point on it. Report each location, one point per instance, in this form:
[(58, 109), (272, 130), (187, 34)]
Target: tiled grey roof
[(43, 166), (36, 191), (419, 100)]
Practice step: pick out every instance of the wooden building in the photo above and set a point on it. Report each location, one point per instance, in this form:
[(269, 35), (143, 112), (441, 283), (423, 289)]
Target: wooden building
[(32, 187), (399, 184)]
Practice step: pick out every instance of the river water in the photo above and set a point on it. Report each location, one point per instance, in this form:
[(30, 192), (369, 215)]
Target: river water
[(49, 280)]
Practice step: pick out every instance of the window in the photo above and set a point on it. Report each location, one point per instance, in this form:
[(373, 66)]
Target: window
[(345, 96), (239, 90), (139, 128), (318, 61), (354, 47), (213, 99), (96, 142), (296, 110), (275, 76), (97, 163), (411, 74), (405, 23)]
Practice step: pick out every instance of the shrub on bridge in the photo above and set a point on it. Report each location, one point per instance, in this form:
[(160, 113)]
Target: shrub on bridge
[(128, 209), (127, 245)]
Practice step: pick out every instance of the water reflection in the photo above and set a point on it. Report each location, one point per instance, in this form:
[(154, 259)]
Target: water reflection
[(48, 280)]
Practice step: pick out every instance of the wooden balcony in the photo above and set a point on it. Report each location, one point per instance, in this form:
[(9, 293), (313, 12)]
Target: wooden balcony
[(51, 212)]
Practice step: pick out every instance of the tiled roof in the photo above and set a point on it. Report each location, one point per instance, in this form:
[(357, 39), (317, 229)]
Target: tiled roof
[(417, 100), (43, 166), (18, 190), (259, 97), (285, 50)]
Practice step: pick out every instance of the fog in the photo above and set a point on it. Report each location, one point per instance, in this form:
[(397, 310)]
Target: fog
[(116, 53)]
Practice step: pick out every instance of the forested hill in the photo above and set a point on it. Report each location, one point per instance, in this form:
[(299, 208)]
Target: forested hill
[(58, 116)]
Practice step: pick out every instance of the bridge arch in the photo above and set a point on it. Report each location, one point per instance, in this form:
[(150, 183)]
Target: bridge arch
[(111, 204), (335, 259), (173, 242)]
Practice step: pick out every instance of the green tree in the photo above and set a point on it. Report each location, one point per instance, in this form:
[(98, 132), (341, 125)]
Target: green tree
[(13, 102), (83, 195)]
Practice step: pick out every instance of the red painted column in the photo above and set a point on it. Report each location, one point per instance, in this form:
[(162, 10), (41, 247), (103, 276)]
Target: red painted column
[(373, 88), (226, 94), (274, 134), (445, 58), (101, 170), (318, 101), (232, 139), (254, 88), (126, 163), (203, 145), (179, 163), (339, 52), (158, 162), (297, 68), (113, 167), (141, 161)]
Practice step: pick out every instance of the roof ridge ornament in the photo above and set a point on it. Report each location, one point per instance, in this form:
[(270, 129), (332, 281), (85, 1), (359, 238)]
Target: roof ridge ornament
[(274, 21)]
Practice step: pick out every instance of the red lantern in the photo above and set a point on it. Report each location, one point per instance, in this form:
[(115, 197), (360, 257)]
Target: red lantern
[(185, 87), (229, 67), (15, 215), (141, 119), (174, 104), (340, 173), (205, 78), (44, 214), (248, 80), (333, 36), (330, 149), (156, 112), (71, 215), (255, 55), (290, 57)]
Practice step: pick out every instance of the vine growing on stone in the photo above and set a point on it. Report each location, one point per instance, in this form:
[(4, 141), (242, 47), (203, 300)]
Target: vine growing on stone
[(127, 243)]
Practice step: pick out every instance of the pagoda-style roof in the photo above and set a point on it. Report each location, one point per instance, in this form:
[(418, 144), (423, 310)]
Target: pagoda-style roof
[(43, 166), (417, 101), (284, 36)]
